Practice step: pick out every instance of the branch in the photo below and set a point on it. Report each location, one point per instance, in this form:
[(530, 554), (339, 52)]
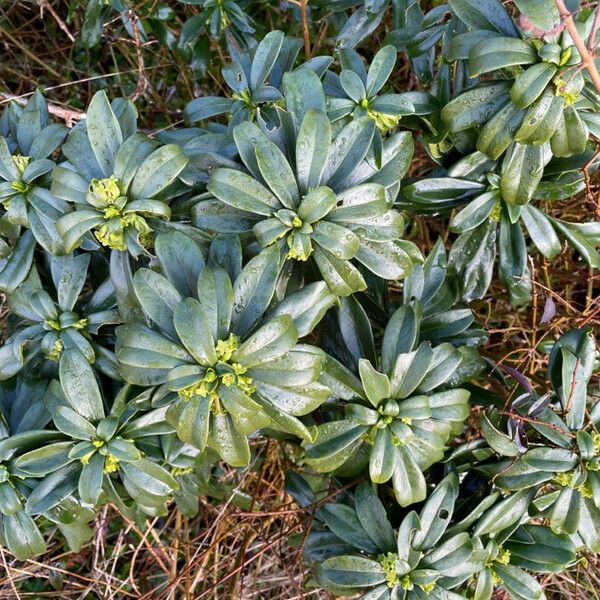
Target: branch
[(66, 114), (587, 58)]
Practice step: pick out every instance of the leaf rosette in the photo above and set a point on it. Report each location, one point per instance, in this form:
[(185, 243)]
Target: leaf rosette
[(399, 413), (357, 551), (114, 180), (231, 369), (317, 197), (26, 143), (58, 317)]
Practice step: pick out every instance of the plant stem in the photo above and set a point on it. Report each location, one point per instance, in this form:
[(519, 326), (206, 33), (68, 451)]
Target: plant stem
[(586, 57), (305, 32)]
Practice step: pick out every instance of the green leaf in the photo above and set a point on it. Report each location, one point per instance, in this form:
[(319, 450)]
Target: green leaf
[(194, 331), (352, 571), (157, 297), (399, 337), (444, 363), (253, 290), (498, 133), (353, 86), (73, 424), (530, 85), (388, 260), (382, 459), (80, 386), (436, 513), (264, 58), (150, 477), (359, 202), (551, 459), (472, 256), (498, 441), (571, 134), (131, 155), (273, 340), (499, 53), (409, 370), (541, 120), (337, 240), (344, 522), (335, 442), (436, 193), (376, 385), (158, 171), (541, 232), (22, 536), (193, 422), (71, 282), (282, 421), (538, 548), (408, 480), (349, 148), (181, 260), (206, 107), (522, 170), (303, 91), (461, 44), (341, 276), (73, 226), (103, 131), (215, 294), (505, 513), (486, 14), (307, 306), (518, 582), (451, 556), (241, 191), (278, 174), (542, 13), (230, 445), (578, 241), (53, 489), (46, 459), (475, 213), (380, 69), (16, 268), (312, 149), (356, 331), (90, 480)]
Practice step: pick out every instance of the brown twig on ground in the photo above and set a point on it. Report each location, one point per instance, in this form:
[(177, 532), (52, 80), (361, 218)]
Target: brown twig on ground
[(66, 114)]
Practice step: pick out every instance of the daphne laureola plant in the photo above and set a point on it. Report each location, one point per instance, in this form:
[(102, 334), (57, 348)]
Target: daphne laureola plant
[(174, 297)]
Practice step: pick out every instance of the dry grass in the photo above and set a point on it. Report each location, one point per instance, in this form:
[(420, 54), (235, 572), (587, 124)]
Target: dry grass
[(228, 552)]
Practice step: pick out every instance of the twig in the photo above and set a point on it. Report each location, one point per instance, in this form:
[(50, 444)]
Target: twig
[(305, 31), (66, 114), (29, 53), (573, 386), (534, 309), (586, 57), (45, 4), (78, 81), (142, 83)]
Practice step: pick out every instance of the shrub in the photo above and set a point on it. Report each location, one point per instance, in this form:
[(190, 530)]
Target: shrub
[(258, 274)]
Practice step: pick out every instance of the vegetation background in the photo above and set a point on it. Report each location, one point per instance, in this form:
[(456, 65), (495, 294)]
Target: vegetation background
[(237, 549)]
